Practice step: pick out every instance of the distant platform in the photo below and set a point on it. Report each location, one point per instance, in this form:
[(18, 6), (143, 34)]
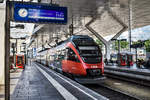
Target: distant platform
[(132, 68), (127, 67), (131, 72), (41, 83)]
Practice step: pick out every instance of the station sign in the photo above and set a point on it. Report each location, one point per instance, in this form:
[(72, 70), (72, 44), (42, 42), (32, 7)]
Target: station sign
[(39, 13)]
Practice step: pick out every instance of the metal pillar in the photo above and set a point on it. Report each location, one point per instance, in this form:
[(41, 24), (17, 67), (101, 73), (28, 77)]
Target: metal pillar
[(20, 48), (27, 55), (51, 1), (16, 45), (25, 52), (7, 51), (13, 46), (136, 55), (118, 46), (130, 22), (71, 26), (42, 41), (107, 50), (37, 42)]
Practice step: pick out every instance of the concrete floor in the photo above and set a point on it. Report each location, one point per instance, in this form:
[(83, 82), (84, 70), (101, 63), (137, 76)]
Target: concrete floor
[(14, 78), (1, 92)]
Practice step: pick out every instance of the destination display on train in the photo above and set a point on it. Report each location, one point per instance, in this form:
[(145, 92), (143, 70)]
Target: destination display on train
[(40, 13), (88, 47)]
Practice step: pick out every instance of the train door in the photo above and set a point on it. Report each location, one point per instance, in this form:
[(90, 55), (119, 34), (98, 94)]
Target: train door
[(122, 59), (130, 59), (20, 61), (61, 56), (71, 62)]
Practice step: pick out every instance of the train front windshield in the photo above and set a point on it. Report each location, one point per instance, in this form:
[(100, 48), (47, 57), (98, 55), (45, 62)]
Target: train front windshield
[(19, 60), (90, 54), (124, 58), (88, 50)]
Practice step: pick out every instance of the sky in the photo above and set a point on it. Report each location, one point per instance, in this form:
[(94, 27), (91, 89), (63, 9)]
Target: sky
[(142, 33)]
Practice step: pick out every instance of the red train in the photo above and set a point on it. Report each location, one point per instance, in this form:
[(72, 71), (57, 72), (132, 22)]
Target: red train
[(125, 59), (20, 61), (79, 56), (130, 61)]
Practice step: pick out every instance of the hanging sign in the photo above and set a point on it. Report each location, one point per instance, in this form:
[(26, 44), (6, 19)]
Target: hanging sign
[(39, 13)]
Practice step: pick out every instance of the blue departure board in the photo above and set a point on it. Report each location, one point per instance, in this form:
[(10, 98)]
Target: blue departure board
[(38, 13)]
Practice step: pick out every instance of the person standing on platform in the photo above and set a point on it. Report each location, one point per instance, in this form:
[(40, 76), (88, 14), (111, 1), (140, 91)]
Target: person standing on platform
[(147, 65), (106, 61)]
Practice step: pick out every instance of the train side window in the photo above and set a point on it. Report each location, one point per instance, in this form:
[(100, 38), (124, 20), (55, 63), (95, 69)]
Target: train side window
[(61, 55), (72, 56)]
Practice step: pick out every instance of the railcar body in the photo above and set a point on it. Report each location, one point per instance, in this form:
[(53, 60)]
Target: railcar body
[(125, 59), (79, 56), (19, 61), (122, 59), (130, 59)]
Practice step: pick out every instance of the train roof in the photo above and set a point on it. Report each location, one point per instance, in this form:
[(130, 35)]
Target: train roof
[(44, 50), (80, 37), (73, 38)]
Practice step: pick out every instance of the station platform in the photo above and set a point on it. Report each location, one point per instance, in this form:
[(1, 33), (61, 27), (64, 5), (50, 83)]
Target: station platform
[(134, 67), (131, 72), (14, 78), (41, 83)]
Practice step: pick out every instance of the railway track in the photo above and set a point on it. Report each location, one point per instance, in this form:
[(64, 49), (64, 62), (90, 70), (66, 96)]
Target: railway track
[(111, 93), (127, 89)]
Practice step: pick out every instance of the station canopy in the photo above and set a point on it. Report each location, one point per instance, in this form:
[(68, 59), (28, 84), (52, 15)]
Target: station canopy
[(103, 14)]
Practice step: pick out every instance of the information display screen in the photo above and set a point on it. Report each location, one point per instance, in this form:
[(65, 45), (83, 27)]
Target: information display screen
[(39, 13), (88, 48)]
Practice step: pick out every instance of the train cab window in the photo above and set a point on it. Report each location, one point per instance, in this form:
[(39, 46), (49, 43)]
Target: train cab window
[(123, 58), (19, 60), (90, 54), (71, 55), (61, 54)]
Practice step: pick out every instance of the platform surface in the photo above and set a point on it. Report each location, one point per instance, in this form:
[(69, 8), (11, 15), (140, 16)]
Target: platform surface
[(132, 68), (14, 78), (40, 83), (130, 72)]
